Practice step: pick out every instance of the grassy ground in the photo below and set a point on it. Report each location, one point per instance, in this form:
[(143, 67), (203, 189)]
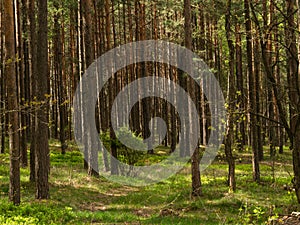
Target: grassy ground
[(79, 199)]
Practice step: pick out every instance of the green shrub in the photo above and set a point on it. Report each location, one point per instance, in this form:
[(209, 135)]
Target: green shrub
[(36, 213), (125, 154)]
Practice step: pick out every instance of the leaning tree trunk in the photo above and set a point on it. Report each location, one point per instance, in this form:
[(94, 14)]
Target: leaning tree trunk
[(293, 130)]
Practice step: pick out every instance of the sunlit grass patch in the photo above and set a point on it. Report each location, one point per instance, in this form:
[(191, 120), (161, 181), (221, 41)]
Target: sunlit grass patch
[(77, 198)]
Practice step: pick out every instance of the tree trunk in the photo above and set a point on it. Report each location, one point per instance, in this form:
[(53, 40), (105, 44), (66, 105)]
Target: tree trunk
[(2, 84), (294, 92), (33, 68), (241, 134), (58, 65), (293, 131), (257, 125), (88, 14), (231, 102), (21, 22), (196, 178), (26, 89), (42, 165), (12, 103), (280, 131), (252, 98)]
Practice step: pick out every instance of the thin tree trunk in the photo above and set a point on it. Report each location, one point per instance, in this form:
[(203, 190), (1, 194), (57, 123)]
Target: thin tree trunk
[(195, 169), (33, 68), (113, 148), (21, 16), (231, 102), (252, 98), (277, 71), (241, 136), (58, 61), (258, 137), (81, 69), (270, 102), (2, 86), (26, 89)]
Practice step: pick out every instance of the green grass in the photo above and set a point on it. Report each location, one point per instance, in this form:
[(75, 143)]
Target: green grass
[(79, 199)]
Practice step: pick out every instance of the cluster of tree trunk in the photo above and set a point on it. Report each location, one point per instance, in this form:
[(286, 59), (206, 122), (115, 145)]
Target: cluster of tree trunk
[(254, 56), (16, 72)]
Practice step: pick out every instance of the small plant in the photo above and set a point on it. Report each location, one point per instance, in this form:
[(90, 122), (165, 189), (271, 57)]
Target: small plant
[(251, 214), (125, 154)]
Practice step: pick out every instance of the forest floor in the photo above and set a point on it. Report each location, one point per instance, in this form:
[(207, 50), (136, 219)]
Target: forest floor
[(77, 198)]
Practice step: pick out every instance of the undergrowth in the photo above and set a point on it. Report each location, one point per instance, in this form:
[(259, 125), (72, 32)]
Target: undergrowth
[(79, 199)]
